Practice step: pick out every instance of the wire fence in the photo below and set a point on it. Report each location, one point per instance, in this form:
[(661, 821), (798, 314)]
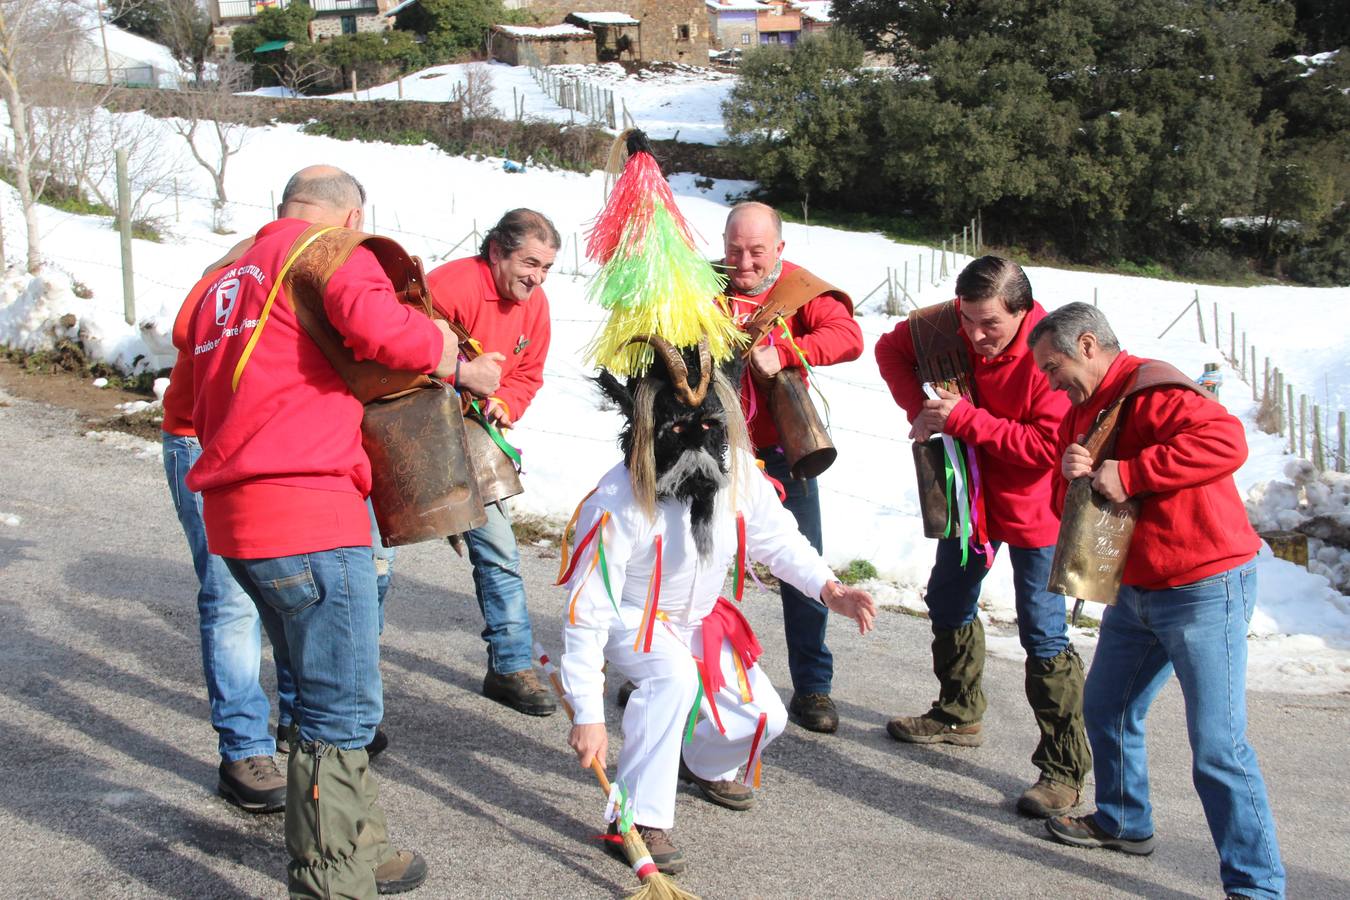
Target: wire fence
[(1306, 423)]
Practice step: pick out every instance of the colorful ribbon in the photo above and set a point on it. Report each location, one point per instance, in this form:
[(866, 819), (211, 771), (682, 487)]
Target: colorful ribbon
[(752, 764), (646, 629)]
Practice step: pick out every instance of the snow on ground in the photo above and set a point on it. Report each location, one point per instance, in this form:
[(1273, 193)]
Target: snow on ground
[(683, 100), (1302, 627)]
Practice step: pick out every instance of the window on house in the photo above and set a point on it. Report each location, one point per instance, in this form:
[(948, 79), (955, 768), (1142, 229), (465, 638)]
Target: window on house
[(682, 32), (349, 24), (745, 37)]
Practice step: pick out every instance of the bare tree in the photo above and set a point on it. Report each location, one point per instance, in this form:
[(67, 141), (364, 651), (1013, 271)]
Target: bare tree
[(37, 38), (88, 162), (212, 136)]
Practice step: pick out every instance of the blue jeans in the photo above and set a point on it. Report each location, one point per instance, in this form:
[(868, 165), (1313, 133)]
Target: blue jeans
[(954, 594), (322, 607), (384, 562), (501, 593), (804, 619), (1198, 630), (230, 635)]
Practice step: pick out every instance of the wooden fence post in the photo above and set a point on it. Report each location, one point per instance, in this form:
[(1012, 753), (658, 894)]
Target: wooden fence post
[(1094, 297), (1303, 425), (124, 227), (1265, 389), (1232, 338), (1254, 397), (1216, 326), (1279, 402), (1242, 361), (1200, 318), (1289, 410), (1318, 458), (1340, 441)]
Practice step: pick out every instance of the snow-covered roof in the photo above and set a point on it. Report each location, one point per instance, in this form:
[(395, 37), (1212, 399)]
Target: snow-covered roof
[(125, 51), (605, 18), (735, 5), (815, 10), (547, 32)]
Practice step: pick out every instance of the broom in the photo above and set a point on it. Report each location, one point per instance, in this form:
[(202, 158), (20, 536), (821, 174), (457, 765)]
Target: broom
[(655, 886)]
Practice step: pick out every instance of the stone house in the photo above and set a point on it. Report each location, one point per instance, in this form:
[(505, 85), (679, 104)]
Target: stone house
[(331, 17), (670, 30), (553, 45), (617, 34)]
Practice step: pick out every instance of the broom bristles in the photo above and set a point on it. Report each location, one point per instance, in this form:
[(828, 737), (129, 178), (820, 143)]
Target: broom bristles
[(655, 886)]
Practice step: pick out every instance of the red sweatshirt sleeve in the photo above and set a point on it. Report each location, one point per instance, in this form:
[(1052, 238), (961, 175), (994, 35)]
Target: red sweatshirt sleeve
[(361, 304), (519, 386), (897, 362), (1190, 440), (825, 331), (1031, 441)]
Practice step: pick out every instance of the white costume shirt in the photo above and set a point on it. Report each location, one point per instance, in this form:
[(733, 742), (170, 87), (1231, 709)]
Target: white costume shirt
[(689, 587)]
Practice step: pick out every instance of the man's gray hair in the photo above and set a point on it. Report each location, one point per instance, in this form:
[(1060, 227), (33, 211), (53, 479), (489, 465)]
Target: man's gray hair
[(1067, 324), (335, 189), (517, 226)]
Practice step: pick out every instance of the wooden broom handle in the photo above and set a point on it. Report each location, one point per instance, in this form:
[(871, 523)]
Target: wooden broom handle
[(596, 766)]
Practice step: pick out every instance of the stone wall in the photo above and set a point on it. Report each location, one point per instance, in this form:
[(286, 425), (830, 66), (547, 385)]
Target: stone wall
[(520, 51)]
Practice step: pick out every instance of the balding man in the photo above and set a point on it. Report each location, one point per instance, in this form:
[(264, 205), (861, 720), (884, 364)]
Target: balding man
[(821, 332), (283, 478)]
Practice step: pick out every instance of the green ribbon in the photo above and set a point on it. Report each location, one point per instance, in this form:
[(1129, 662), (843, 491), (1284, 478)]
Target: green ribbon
[(511, 452), (693, 713), (604, 567)]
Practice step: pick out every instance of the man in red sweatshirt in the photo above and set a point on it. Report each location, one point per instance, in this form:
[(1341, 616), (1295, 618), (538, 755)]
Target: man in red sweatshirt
[(1010, 423), (498, 298), (825, 333), (283, 478), (1186, 597)]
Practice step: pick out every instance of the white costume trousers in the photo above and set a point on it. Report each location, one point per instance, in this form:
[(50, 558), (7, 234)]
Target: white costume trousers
[(657, 713)]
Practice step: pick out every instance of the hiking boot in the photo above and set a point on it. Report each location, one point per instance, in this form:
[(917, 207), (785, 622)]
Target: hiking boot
[(254, 784), (1082, 831), (377, 743), (667, 858), (731, 794), (521, 691), (1047, 798), (927, 730), (814, 712), (625, 691), (403, 871)]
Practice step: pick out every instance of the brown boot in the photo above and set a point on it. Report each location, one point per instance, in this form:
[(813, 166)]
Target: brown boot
[(254, 784), (521, 691), (731, 794), (668, 859), (1047, 798), (403, 871), (927, 730)]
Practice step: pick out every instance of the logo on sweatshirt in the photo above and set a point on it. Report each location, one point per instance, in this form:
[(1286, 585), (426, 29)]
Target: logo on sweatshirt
[(227, 293)]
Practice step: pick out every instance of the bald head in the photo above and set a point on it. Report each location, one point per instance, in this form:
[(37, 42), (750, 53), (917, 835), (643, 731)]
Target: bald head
[(324, 195), (752, 245), (757, 215)]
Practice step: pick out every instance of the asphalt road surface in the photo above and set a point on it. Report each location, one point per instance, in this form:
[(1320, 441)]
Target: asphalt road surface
[(107, 785)]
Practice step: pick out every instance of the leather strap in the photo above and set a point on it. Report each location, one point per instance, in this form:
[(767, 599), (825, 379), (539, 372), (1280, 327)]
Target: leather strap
[(940, 355), (307, 281), (791, 292), (1152, 373)]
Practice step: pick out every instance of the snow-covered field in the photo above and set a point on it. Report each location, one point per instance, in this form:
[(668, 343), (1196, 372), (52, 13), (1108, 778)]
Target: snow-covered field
[(681, 100), (1302, 628)]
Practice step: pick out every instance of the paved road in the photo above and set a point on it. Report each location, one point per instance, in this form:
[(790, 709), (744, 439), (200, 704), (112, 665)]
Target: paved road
[(107, 781)]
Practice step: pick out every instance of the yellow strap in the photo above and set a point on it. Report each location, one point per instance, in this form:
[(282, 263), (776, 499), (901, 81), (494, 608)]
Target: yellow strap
[(267, 307)]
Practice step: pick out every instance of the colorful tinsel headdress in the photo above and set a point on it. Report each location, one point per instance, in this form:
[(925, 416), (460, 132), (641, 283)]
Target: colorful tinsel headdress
[(652, 278)]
